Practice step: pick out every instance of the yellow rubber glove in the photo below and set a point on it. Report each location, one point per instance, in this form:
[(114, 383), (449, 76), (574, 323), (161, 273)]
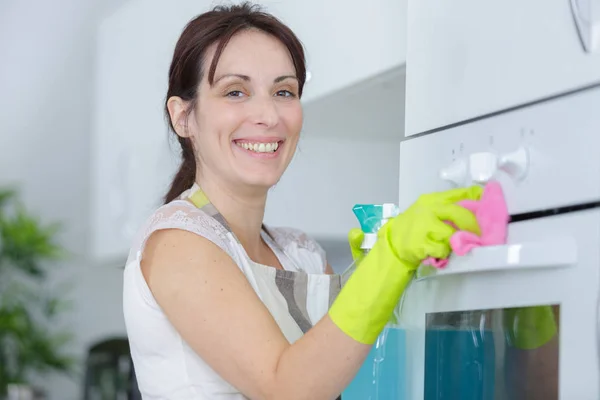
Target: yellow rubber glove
[(367, 301), (355, 239), (529, 328)]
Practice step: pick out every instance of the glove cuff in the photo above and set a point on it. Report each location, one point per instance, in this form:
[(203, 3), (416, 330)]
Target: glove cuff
[(367, 301)]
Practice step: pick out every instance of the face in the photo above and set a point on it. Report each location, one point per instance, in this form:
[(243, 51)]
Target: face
[(246, 126)]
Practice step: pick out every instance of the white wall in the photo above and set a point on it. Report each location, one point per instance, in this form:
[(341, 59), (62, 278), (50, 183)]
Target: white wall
[(46, 67)]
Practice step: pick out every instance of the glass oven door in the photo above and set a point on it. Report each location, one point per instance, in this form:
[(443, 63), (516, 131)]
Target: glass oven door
[(509, 322)]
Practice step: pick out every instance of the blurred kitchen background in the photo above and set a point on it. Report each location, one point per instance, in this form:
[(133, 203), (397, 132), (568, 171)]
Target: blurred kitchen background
[(83, 143)]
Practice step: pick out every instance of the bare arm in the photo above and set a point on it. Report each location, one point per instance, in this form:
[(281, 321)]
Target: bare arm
[(213, 307)]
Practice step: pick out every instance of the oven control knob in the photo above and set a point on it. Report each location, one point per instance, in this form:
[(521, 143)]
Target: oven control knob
[(515, 164), (455, 173), (483, 167)]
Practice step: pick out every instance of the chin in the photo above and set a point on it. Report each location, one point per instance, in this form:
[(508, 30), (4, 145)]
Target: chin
[(263, 183), (263, 180)]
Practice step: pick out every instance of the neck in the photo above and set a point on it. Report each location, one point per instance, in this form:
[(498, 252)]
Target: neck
[(243, 210)]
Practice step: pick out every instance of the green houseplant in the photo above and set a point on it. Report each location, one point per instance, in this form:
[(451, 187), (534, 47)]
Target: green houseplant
[(29, 343)]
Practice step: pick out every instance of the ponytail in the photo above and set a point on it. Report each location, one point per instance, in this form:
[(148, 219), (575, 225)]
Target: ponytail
[(185, 177)]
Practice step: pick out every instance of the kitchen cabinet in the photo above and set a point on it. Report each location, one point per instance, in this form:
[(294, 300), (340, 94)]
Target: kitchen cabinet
[(356, 59), (345, 43), (469, 58)]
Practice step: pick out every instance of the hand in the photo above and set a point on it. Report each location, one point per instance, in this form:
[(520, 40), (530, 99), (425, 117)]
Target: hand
[(433, 204), (368, 298), (422, 231)]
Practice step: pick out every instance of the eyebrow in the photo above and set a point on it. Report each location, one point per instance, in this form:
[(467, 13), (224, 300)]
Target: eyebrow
[(247, 78), (284, 77)]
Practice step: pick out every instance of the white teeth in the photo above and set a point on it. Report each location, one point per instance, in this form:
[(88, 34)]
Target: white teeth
[(260, 147)]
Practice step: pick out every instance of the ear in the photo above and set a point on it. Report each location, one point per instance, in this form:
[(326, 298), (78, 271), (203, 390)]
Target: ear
[(178, 111)]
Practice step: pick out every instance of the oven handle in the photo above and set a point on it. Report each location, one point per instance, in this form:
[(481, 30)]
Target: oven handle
[(552, 253)]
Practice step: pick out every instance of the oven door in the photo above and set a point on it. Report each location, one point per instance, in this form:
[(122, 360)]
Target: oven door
[(482, 328), (462, 323)]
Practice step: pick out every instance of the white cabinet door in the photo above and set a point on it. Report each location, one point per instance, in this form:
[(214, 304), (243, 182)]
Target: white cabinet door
[(468, 58), (345, 43)]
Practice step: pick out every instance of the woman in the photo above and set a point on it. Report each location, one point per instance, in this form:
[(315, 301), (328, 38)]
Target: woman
[(216, 304)]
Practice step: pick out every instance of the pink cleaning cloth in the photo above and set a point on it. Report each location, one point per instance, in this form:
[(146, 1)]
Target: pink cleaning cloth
[(492, 215)]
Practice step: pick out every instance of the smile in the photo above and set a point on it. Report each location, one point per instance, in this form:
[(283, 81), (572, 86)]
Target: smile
[(255, 147)]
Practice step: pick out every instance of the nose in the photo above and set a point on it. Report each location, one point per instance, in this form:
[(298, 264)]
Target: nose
[(264, 111)]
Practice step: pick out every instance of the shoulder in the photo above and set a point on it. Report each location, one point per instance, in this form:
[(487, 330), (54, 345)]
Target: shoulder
[(184, 216), (301, 246)]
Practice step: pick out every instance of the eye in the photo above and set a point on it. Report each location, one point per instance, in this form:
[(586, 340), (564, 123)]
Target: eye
[(235, 93), (285, 93)]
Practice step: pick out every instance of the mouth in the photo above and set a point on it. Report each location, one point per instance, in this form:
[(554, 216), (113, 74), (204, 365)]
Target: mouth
[(260, 148)]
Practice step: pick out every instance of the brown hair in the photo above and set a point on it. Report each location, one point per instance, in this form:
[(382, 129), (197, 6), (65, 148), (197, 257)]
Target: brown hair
[(216, 26)]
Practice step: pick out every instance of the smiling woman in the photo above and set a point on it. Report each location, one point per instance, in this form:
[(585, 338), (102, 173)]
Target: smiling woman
[(225, 50), (245, 100), (216, 304)]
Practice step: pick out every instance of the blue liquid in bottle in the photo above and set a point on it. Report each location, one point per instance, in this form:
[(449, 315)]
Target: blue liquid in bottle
[(382, 375)]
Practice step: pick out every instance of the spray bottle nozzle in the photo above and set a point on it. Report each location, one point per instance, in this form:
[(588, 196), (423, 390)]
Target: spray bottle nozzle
[(371, 218)]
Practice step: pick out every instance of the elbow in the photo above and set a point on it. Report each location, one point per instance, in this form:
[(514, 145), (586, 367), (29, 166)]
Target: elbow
[(271, 388), (291, 391), (277, 388)]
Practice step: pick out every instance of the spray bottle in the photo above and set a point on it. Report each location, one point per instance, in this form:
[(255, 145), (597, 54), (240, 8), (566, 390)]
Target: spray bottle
[(377, 379)]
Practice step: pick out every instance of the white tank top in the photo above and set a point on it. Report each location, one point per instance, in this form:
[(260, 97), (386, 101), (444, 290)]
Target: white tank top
[(297, 297)]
